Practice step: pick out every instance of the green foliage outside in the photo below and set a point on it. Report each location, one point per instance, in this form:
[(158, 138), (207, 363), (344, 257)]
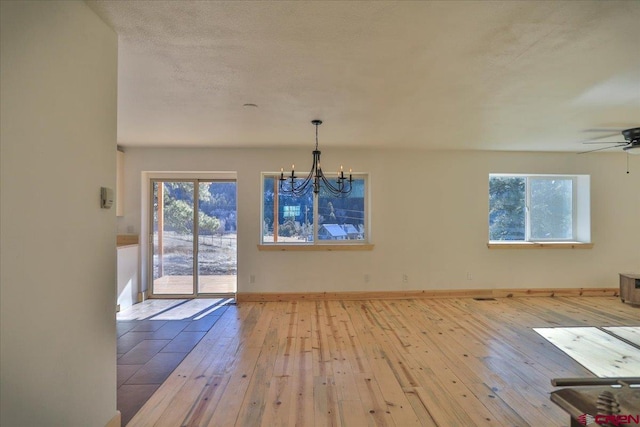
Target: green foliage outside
[(551, 204), (507, 208), (208, 223), (178, 208)]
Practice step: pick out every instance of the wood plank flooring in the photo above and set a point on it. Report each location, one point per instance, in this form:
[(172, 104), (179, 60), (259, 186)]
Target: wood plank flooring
[(442, 362), (628, 333), (600, 352)]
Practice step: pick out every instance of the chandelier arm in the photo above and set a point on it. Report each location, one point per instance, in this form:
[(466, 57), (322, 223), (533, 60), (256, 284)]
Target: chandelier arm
[(303, 188), (340, 190), (306, 181), (296, 189)]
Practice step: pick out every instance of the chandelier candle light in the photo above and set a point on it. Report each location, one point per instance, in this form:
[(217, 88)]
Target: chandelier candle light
[(341, 187)]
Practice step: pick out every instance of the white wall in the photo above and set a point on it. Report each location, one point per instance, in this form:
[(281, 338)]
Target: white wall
[(128, 266), (429, 220), (58, 140)]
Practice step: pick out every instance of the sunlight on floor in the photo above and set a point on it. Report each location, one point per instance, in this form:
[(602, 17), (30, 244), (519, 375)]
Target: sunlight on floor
[(173, 309), (607, 352)]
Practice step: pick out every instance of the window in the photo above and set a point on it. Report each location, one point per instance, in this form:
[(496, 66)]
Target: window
[(325, 219), (535, 208)]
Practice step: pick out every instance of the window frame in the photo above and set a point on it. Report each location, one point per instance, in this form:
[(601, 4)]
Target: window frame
[(364, 244), (580, 212)]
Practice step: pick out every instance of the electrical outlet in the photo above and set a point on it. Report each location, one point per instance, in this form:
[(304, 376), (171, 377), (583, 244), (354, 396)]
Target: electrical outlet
[(252, 278), (366, 278), (469, 276), (405, 278)]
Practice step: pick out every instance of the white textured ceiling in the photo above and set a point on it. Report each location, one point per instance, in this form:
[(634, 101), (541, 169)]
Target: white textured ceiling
[(513, 75)]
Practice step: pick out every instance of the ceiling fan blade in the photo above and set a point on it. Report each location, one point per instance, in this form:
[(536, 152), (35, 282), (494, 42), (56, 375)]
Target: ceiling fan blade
[(600, 130), (609, 135), (604, 142), (604, 148)]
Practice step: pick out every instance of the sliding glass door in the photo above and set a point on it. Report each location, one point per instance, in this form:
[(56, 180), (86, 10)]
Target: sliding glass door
[(194, 240), (217, 238)]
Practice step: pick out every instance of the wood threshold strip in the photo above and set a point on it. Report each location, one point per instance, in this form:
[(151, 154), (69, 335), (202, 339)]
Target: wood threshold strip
[(393, 295), (298, 247), (540, 245)]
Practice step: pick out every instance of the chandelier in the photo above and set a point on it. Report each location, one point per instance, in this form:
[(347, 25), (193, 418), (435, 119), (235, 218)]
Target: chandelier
[(340, 186)]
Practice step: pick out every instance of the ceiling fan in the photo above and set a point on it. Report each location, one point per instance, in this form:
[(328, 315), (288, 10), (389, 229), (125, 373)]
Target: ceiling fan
[(631, 146)]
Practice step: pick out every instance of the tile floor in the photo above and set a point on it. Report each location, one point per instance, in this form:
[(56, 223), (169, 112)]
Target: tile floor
[(153, 338)]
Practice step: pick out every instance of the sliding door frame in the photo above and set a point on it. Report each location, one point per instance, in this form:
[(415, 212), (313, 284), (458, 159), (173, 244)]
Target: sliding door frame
[(196, 179)]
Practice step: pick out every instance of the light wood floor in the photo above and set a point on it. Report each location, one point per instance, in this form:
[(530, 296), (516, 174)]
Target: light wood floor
[(183, 285), (445, 362)]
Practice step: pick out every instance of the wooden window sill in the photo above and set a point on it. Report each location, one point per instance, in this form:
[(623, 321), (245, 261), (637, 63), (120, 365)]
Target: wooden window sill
[(328, 247), (539, 245)]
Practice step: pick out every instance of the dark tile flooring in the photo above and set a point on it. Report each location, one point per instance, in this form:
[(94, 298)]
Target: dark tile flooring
[(149, 350)]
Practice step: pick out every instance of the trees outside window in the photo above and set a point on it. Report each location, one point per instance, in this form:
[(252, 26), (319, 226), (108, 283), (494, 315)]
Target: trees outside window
[(537, 207), (507, 208), (310, 219)]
